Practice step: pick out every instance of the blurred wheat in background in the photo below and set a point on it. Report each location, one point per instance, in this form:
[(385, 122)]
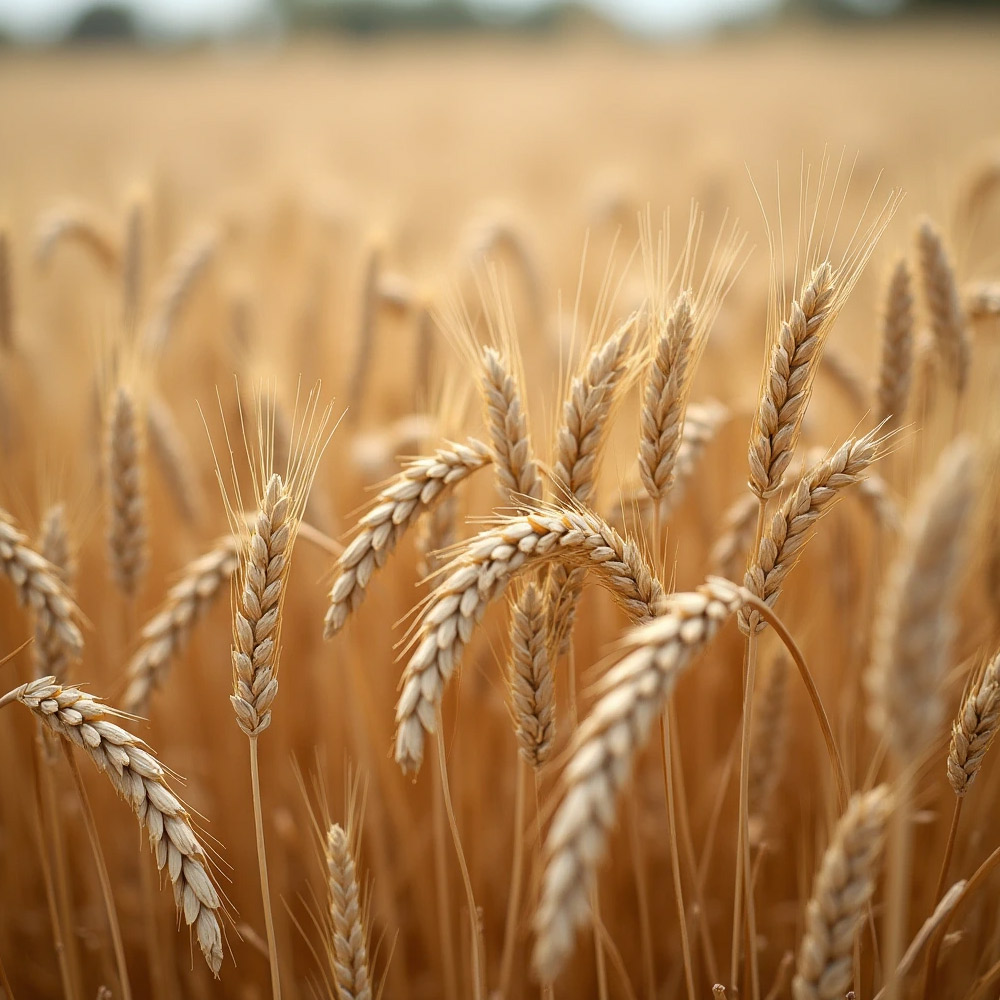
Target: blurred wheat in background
[(602, 438)]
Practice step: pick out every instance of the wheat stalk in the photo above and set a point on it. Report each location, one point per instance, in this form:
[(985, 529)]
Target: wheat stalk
[(421, 483), (141, 780), (39, 587), (76, 224), (975, 729), (842, 891), (516, 470), (50, 652), (165, 635), (529, 677), (915, 624), (632, 696), (793, 524), (127, 525), (133, 256), (944, 305), (769, 725), (184, 270), (896, 367), (350, 950), (480, 571)]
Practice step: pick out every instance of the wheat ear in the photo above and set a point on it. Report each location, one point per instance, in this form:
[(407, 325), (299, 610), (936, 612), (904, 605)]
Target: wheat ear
[(845, 375), (141, 780), (173, 456), (350, 950), (915, 624), (516, 470), (532, 688), (944, 306), (76, 224), (796, 519), (127, 525), (975, 729), (632, 696), (661, 418), (788, 382), (165, 635), (844, 886), (586, 412), (728, 556), (437, 533), (39, 587), (480, 571), (422, 483), (50, 652), (184, 270), (896, 368)]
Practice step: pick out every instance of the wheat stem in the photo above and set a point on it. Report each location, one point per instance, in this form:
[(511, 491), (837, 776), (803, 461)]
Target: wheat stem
[(265, 891)]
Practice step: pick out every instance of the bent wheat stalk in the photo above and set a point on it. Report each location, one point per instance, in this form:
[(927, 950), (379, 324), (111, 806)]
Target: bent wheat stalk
[(480, 572), (422, 483), (140, 779)]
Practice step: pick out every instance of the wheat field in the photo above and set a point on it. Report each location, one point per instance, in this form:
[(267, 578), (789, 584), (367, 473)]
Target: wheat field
[(573, 467)]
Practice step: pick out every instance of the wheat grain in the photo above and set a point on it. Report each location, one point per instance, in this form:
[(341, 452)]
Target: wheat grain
[(127, 503), (350, 954), (480, 571), (842, 891), (632, 695), (793, 524), (896, 367), (975, 729), (530, 679), (141, 780), (915, 624), (421, 483), (39, 587), (944, 306), (166, 633)]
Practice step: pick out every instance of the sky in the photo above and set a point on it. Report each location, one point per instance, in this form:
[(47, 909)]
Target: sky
[(45, 18)]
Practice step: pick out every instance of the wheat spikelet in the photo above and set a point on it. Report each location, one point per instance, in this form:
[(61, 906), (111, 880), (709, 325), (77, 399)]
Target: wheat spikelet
[(6, 294), (50, 652), (422, 483), (184, 271), (529, 677), (844, 886), (661, 418), (944, 307), (165, 635), (896, 367), (982, 300), (124, 478), (915, 624), (350, 950), (787, 386), (767, 743), (39, 587), (75, 224), (480, 571), (632, 695), (795, 520), (729, 551), (141, 780), (516, 470), (173, 456), (975, 729)]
